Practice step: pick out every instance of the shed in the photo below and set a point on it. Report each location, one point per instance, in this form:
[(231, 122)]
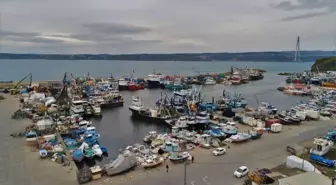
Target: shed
[(308, 178)]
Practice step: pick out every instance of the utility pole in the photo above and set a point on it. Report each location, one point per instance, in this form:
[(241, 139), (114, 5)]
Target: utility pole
[(185, 172)]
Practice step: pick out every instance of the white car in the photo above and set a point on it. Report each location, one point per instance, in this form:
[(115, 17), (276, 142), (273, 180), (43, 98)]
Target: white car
[(219, 151), (241, 172)]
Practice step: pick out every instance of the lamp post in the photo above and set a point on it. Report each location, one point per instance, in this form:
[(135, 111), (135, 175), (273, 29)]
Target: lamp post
[(185, 172)]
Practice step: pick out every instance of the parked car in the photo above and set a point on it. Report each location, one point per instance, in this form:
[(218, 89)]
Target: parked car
[(219, 151), (241, 172)]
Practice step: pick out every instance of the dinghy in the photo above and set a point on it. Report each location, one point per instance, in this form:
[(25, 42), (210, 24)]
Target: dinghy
[(152, 161), (179, 157)]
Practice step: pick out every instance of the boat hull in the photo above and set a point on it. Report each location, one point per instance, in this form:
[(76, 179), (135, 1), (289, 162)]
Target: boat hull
[(153, 84), (112, 104), (139, 116), (254, 78), (123, 87)]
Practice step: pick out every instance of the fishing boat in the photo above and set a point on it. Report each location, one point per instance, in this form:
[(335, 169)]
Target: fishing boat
[(217, 133), (152, 135), (176, 85), (209, 81), (321, 146), (97, 110), (104, 150), (191, 120), (77, 155), (181, 123), (235, 80), (136, 105), (43, 153), (152, 161), (76, 107), (240, 137), (123, 84), (155, 80), (88, 153), (97, 150), (285, 120), (134, 86), (255, 75), (255, 134), (179, 157), (202, 117), (229, 130)]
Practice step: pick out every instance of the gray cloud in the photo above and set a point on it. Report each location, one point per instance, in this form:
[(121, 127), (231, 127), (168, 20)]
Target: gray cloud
[(4, 33), (328, 7), (304, 16), (161, 26), (116, 28)]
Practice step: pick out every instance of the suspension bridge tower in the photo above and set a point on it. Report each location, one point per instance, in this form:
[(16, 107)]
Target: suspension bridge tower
[(297, 50)]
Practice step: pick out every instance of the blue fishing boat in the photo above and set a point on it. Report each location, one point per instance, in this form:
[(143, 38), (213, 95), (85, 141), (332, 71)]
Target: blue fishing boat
[(209, 107), (216, 132), (78, 155), (69, 142), (230, 130), (104, 150), (322, 160), (331, 135)]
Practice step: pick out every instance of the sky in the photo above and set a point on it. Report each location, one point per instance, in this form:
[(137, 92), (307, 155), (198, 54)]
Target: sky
[(165, 26)]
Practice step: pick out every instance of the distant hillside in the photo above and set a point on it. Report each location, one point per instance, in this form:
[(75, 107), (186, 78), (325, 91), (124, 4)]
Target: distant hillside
[(247, 56), (324, 64)]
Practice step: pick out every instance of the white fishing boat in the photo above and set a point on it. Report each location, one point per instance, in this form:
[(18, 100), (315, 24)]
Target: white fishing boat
[(97, 110), (191, 120), (155, 80), (136, 105), (181, 123), (152, 161), (84, 124), (202, 117), (209, 81), (77, 107), (97, 150), (321, 146)]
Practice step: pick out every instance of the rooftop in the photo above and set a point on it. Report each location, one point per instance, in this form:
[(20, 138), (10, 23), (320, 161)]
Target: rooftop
[(308, 178)]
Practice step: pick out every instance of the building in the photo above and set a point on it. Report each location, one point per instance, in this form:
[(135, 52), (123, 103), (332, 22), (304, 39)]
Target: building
[(308, 178)]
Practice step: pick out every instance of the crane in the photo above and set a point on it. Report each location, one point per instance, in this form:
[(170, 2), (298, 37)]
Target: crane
[(14, 89)]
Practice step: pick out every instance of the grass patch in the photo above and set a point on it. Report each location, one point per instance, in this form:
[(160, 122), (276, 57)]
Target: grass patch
[(331, 155)]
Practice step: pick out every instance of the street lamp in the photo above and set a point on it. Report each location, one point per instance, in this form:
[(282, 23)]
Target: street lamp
[(185, 172)]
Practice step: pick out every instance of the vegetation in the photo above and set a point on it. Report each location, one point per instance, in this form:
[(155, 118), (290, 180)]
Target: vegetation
[(245, 56), (324, 64), (2, 97)]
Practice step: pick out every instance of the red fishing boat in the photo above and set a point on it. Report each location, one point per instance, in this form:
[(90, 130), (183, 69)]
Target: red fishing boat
[(134, 86)]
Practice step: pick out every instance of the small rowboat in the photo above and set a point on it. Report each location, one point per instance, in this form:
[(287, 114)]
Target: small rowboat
[(179, 157), (152, 161)]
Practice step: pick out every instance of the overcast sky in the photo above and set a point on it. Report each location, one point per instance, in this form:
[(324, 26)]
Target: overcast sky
[(165, 26)]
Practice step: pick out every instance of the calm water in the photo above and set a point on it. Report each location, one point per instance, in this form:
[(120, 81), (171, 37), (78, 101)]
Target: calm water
[(116, 127)]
